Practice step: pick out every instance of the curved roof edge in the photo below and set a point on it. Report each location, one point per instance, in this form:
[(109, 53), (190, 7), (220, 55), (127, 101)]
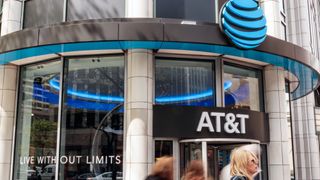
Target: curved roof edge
[(152, 33)]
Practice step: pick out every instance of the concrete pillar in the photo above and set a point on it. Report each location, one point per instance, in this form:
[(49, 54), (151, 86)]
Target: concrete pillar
[(306, 143), (11, 22), (11, 16), (138, 121), (271, 10), (139, 8), (7, 116), (298, 23), (306, 149), (278, 148)]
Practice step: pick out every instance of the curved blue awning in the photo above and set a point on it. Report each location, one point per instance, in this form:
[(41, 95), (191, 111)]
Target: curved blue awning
[(308, 78)]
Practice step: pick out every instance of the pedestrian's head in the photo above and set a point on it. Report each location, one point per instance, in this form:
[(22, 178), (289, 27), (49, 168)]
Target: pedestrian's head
[(163, 168), (194, 171), (243, 163)]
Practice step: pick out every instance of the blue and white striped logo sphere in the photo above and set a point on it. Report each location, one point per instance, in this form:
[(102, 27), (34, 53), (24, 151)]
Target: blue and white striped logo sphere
[(244, 23)]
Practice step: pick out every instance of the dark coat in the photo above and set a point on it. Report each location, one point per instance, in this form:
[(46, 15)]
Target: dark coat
[(238, 178), (154, 177)]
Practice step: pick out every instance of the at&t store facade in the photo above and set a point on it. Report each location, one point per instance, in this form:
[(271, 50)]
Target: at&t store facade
[(104, 98)]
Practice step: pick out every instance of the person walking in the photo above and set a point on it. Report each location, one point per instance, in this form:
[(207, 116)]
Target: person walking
[(194, 171), (162, 169), (243, 164)]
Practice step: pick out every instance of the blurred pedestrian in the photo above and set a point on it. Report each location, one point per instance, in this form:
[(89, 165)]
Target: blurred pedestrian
[(194, 171), (243, 165), (162, 169)]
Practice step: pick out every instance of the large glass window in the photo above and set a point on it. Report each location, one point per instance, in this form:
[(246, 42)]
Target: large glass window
[(89, 135), (204, 10), (95, 9), (36, 132), (42, 12), (183, 82), (92, 125), (242, 88)]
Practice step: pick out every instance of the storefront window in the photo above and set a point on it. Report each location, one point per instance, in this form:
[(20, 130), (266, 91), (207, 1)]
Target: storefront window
[(243, 88), (36, 132), (92, 123), (183, 82), (90, 142), (186, 9)]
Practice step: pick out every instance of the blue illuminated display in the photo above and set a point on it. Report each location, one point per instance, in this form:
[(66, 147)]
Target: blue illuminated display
[(184, 98), (55, 84), (244, 23)]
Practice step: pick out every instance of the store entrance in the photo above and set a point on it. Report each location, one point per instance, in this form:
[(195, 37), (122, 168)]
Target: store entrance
[(214, 155)]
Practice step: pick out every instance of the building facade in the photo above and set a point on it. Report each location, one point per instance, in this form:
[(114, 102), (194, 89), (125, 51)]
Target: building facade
[(99, 89)]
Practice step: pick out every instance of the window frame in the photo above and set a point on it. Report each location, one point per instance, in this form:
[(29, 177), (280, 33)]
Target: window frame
[(251, 67), (193, 58), (63, 70), (214, 20)]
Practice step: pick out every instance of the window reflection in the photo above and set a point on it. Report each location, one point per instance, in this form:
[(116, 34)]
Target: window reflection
[(242, 88), (95, 9), (42, 12), (186, 9), (93, 90), (184, 83), (37, 121)]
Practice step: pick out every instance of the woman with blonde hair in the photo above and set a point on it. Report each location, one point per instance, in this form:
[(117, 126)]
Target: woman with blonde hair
[(243, 164)]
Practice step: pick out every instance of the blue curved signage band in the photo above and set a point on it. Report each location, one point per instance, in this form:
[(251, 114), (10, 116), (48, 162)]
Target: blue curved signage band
[(308, 78), (243, 23)]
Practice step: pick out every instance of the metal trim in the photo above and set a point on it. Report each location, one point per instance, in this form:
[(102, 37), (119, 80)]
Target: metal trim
[(60, 113), (221, 140), (15, 121)]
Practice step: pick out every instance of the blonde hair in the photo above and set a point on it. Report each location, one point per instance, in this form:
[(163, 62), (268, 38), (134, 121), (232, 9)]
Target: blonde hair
[(239, 161), (163, 168)]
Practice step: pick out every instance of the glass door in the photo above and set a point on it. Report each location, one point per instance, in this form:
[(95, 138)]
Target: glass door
[(215, 157), (189, 152), (211, 161)]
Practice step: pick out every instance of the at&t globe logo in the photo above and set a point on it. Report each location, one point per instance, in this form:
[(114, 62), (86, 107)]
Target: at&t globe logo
[(244, 23)]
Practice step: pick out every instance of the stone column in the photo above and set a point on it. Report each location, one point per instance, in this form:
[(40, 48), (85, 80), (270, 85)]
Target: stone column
[(139, 8), (11, 16), (7, 117), (278, 148), (11, 22), (306, 143), (271, 9), (307, 160), (138, 107), (298, 23)]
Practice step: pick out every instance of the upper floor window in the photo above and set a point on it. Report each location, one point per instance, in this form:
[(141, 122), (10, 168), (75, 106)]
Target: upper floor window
[(184, 82), (42, 12), (95, 9), (243, 88), (204, 10)]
